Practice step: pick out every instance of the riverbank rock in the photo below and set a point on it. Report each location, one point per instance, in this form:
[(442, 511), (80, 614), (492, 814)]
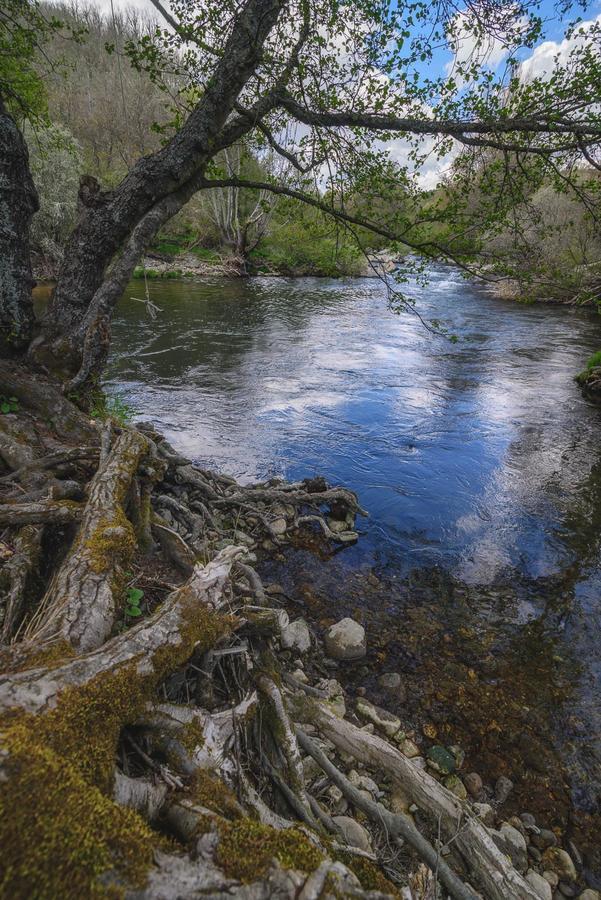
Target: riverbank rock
[(296, 636), (379, 717), (354, 833), (559, 861), (346, 640), (510, 841), (540, 885), (473, 783)]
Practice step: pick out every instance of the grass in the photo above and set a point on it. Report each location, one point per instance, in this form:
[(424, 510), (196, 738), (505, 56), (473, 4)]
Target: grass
[(594, 361)]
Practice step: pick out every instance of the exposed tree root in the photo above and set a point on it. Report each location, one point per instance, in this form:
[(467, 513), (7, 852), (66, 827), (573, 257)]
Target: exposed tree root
[(187, 721)]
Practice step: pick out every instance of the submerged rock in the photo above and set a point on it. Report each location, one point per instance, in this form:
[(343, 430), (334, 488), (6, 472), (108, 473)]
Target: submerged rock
[(503, 788), (473, 783), (560, 862), (346, 640), (441, 760), (390, 681)]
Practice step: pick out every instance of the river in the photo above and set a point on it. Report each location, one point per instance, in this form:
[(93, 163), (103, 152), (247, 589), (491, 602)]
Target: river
[(478, 572)]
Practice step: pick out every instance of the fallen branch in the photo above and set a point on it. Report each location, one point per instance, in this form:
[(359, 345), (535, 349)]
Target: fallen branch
[(488, 865), (395, 825)]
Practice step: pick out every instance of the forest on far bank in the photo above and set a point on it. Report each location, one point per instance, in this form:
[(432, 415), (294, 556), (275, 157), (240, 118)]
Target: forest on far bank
[(102, 111)]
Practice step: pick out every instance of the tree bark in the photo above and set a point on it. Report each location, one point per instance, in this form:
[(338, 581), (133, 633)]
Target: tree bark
[(18, 203)]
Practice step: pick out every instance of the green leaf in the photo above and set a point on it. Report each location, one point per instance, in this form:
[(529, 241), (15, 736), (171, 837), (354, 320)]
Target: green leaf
[(134, 595), (133, 611), (5, 407)]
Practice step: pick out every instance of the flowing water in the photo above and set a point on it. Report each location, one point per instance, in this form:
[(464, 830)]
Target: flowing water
[(478, 573)]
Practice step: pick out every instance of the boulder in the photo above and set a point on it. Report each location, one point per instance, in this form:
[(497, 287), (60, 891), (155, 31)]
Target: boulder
[(381, 718), (354, 833), (346, 640), (296, 636)]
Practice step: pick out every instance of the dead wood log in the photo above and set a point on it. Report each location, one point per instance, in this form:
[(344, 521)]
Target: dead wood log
[(395, 825), (487, 865)]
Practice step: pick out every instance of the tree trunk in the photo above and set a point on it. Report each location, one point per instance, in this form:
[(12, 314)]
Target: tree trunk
[(18, 203), (109, 218)]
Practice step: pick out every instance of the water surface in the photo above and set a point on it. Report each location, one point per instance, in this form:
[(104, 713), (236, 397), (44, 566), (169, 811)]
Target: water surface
[(480, 465)]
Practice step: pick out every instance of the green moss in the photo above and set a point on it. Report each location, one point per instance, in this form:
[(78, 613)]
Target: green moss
[(60, 831), (59, 834), (210, 791), (113, 542), (13, 659), (246, 849), (369, 874)]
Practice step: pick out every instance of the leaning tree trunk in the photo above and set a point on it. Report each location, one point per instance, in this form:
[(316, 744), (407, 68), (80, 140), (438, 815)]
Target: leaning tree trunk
[(110, 217), (18, 203)]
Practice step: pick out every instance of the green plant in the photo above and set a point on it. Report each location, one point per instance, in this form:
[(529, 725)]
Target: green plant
[(111, 407), (594, 361), (8, 404), (133, 597)]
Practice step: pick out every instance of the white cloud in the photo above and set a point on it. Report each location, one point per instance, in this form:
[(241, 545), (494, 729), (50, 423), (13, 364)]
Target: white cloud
[(545, 57)]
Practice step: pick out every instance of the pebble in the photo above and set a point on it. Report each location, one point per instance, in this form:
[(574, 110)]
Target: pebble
[(459, 755), (390, 681), (589, 894), (296, 636), (568, 890), (300, 676), (545, 838), (503, 788), (473, 783), (515, 844), (455, 785), (528, 819), (551, 877), (409, 748), (534, 853)]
